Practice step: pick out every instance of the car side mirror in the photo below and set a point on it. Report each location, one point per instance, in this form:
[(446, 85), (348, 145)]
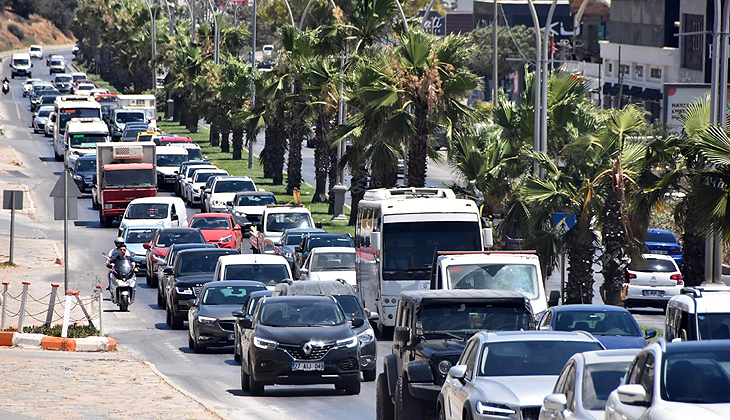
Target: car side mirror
[(237, 314), (632, 394), (229, 203), (318, 225), (554, 298), (458, 372), (206, 190), (304, 270), (650, 334), (167, 270), (555, 402), (191, 303), (237, 227), (373, 316), (277, 243), (245, 323), (298, 249), (357, 322), (401, 335), (174, 217), (487, 238), (146, 245)]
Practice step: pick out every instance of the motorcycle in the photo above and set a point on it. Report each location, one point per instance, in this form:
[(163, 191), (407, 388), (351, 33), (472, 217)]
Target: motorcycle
[(123, 285), (6, 87)]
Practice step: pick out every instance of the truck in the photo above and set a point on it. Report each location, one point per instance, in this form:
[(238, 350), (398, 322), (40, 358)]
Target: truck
[(146, 103), (82, 136), (396, 234), (65, 108), (123, 172), (275, 219)]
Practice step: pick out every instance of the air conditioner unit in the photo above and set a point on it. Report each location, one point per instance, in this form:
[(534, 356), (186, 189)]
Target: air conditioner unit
[(128, 152)]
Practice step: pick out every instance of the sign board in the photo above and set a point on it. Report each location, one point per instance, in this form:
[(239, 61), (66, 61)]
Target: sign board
[(677, 97), (72, 193), (13, 200), (435, 23), (73, 209), (563, 222), (72, 190)]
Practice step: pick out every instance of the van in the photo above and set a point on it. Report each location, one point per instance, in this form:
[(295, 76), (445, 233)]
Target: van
[(699, 313), (166, 212), (20, 65), (81, 137)]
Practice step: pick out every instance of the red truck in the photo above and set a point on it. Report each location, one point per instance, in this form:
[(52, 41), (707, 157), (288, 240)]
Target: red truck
[(124, 171)]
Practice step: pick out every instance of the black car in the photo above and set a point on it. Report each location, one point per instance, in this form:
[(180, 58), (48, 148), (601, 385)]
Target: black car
[(431, 330), (162, 278), (246, 311), (83, 172), (351, 306), (210, 319), (190, 270), (46, 99), (297, 340), (317, 240)]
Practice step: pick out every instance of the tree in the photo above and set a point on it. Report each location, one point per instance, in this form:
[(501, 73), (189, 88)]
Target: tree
[(512, 42)]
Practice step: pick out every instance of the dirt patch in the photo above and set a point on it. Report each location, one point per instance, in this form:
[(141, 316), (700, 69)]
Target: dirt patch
[(37, 30), (8, 159)]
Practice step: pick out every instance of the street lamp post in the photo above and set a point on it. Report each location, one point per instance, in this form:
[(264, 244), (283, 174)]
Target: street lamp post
[(253, 82), (153, 36)]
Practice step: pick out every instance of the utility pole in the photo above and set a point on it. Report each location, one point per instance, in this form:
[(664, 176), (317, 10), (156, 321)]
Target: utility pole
[(253, 84), (495, 87)]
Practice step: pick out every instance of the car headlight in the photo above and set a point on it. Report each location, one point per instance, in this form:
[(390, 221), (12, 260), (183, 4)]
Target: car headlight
[(196, 190), (366, 336), (265, 344), (206, 320), (444, 367), (493, 409), (183, 290), (108, 206), (288, 255), (228, 238), (347, 342), (78, 177)]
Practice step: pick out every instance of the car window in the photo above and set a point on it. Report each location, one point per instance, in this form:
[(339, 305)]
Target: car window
[(661, 237), (140, 236), (229, 186), (304, 313), (570, 387), (634, 375), (279, 222), (652, 265), (521, 278), (333, 261), (320, 242), (166, 239), (598, 382), (350, 306), (647, 375), (228, 295), (470, 359), (470, 317), (211, 223), (293, 239), (147, 211), (698, 376), (197, 263), (529, 358), (269, 274), (255, 200)]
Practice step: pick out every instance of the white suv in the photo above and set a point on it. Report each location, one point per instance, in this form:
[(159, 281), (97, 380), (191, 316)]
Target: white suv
[(224, 189), (699, 313), (36, 51)]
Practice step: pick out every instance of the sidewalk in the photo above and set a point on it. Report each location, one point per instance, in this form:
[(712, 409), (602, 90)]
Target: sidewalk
[(43, 384)]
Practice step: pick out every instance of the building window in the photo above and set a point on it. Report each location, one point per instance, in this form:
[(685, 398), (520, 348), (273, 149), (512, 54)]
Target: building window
[(625, 70), (610, 68), (656, 73), (639, 72), (693, 44)]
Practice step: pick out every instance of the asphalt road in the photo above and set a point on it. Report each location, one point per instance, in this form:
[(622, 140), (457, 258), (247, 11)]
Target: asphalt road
[(214, 377)]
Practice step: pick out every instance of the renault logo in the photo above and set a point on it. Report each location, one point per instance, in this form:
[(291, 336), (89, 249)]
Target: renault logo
[(307, 347)]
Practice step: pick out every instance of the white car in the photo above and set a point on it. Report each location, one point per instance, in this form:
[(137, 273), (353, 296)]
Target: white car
[(187, 176), (40, 118), (36, 51), (28, 85), (224, 189), (248, 206), (163, 212), (193, 189), (675, 381), (48, 129), (652, 281), (84, 88), (331, 263), (268, 269), (169, 159)]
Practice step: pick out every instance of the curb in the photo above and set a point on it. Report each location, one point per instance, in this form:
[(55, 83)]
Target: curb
[(47, 342)]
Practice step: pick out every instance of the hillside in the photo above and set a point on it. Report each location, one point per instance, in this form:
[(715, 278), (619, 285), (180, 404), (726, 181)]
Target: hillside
[(18, 32)]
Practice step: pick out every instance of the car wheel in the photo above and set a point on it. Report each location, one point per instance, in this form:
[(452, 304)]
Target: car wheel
[(151, 281), (160, 299), (244, 379), (406, 406), (466, 415), (168, 317), (254, 387), (236, 349), (197, 348), (191, 342), (176, 322), (384, 409), (369, 375), (352, 388)]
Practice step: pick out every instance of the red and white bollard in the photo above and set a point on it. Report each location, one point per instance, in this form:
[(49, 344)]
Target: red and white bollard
[(23, 300), (5, 304), (67, 312), (51, 305)]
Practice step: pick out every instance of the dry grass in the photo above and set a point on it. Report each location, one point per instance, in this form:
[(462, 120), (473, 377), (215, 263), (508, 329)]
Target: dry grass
[(37, 30)]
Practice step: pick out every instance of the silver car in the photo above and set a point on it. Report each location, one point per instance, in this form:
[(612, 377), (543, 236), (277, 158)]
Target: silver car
[(40, 118), (584, 384), (506, 375)]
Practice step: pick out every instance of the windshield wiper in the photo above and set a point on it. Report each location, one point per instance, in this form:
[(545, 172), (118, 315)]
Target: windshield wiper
[(452, 335), (411, 270)]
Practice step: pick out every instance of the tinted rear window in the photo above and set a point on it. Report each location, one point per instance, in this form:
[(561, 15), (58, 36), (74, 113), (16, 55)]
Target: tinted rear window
[(651, 265), (665, 237)]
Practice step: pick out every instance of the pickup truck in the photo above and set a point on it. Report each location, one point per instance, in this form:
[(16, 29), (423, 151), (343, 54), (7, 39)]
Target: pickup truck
[(274, 221)]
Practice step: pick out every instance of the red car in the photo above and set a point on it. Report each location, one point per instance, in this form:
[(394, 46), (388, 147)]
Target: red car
[(218, 229), (159, 245)]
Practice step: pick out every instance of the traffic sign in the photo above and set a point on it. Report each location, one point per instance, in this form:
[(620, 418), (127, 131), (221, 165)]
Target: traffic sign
[(563, 222), (71, 188)]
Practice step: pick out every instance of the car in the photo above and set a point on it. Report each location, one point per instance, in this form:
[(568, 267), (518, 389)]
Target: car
[(699, 313), (83, 171), (290, 239), (28, 85), (50, 57), (131, 131), (63, 82), (661, 241), (193, 190), (335, 263), (43, 98), (613, 326), (268, 269), (78, 82), (224, 189), (351, 306), (190, 270), (58, 65), (673, 381), (182, 171), (149, 135), (204, 193), (161, 211), (37, 87), (210, 322), (120, 118), (79, 76), (159, 245), (246, 311), (40, 117), (163, 277), (583, 386), (36, 51), (135, 236), (171, 140), (652, 280), (48, 129), (83, 88), (507, 374), (401, 171), (169, 159), (317, 240), (218, 229), (300, 340), (274, 221), (248, 206), (431, 329), (189, 174)]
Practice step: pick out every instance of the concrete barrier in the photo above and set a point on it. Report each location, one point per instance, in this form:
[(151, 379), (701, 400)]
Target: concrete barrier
[(40, 341)]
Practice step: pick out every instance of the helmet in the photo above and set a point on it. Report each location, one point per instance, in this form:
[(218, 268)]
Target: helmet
[(119, 242)]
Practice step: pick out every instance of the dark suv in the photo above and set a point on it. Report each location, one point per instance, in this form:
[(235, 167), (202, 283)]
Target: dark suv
[(317, 240), (350, 303), (297, 340), (431, 330)]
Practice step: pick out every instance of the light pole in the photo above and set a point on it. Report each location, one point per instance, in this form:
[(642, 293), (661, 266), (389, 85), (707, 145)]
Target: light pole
[(253, 82), (153, 36)]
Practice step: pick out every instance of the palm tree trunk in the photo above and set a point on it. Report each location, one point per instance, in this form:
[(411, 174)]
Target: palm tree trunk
[(332, 178), (614, 258), (294, 165), (321, 159), (418, 152), (693, 245), (184, 113), (177, 109), (265, 155), (276, 154), (192, 120), (358, 186), (225, 142), (581, 250), (237, 143), (214, 138)]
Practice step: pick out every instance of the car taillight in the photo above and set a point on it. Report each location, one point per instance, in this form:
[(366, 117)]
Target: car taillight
[(627, 278), (675, 252), (677, 278)]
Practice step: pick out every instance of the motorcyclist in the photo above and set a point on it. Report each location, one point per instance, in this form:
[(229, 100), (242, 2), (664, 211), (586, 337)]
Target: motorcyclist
[(115, 257), (115, 251), (6, 85)]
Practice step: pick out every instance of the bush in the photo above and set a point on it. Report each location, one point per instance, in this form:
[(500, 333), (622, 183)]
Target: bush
[(74, 331), (15, 30)]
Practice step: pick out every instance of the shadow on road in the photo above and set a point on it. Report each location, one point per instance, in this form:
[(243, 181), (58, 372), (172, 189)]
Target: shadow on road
[(304, 391)]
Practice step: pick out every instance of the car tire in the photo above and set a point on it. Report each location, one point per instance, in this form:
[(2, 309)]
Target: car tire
[(160, 299), (466, 415), (196, 348), (352, 388), (254, 387), (244, 379), (406, 406), (168, 317), (384, 409), (151, 280), (191, 342), (369, 375), (176, 322)]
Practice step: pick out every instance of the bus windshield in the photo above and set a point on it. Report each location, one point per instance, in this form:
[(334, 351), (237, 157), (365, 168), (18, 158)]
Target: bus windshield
[(86, 141), (68, 113), (408, 247)]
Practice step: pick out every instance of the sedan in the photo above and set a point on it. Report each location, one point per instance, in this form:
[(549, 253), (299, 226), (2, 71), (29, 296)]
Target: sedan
[(135, 237), (157, 248), (584, 384), (652, 281), (613, 326), (290, 240), (28, 85), (660, 241), (40, 118), (218, 229), (210, 322), (330, 264)]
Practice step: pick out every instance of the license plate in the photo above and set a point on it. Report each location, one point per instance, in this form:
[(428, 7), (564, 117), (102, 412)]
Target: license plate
[(307, 366), (661, 251), (230, 337), (652, 293)]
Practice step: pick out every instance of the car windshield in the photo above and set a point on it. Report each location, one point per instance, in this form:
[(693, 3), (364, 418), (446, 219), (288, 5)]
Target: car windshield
[(197, 263), (652, 265), (86, 141), (256, 200), (301, 313), (520, 278), (332, 261), (665, 237), (202, 177), (56, 63), (322, 242), (597, 322), (714, 326), (171, 160), (68, 113), (279, 222), (125, 117), (140, 236), (211, 223), (21, 62), (470, 317), (63, 79), (234, 186), (166, 239), (350, 306), (129, 178), (194, 153), (409, 247), (529, 358), (43, 113), (293, 239), (192, 171), (698, 377), (599, 380), (147, 211), (85, 165), (228, 295), (269, 274), (130, 134)]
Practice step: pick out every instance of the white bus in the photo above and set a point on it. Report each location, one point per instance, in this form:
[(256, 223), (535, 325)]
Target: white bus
[(65, 108), (398, 230)]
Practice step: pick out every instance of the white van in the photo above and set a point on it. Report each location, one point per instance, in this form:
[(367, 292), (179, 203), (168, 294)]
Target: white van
[(20, 65), (65, 108), (81, 137), (169, 159), (165, 212)]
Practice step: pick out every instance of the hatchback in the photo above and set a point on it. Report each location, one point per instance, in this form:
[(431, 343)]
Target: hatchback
[(652, 281)]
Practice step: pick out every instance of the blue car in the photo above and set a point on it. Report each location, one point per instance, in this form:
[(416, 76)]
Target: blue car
[(613, 326), (660, 241), (290, 239)]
